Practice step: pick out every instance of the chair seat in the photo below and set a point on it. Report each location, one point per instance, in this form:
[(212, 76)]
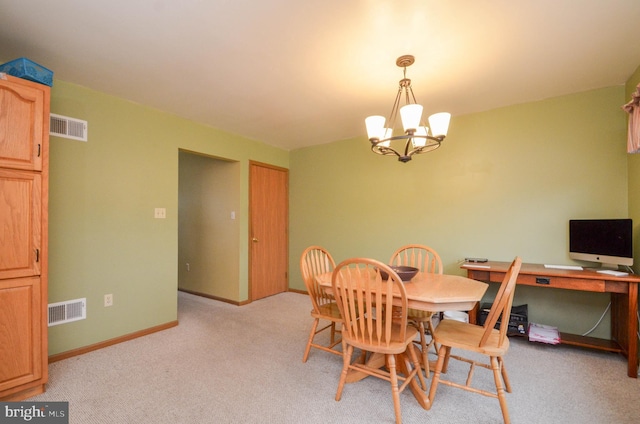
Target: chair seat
[(395, 347), (416, 314), (467, 336), (327, 310)]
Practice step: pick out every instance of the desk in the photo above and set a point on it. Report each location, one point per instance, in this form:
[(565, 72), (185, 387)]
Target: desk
[(624, 301), (429, 292)]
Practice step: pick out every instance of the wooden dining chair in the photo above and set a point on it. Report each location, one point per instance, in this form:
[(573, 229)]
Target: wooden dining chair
[(375, 322), (314, 261), (426, 260), (487, 340)]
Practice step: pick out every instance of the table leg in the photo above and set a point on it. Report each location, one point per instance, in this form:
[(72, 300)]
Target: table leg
[(376, 360), (414, 386), (473, 313)]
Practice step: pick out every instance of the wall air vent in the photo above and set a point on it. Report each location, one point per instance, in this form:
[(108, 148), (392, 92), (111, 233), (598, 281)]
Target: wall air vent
[(69, 311), (63, 126)]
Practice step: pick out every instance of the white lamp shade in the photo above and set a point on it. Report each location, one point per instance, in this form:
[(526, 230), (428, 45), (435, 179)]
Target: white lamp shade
[(411, 115), (439, 123), (388, 132), (375, 127), (420, 142)]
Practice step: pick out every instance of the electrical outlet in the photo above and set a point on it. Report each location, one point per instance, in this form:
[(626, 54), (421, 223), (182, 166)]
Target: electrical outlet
[(108, 300)]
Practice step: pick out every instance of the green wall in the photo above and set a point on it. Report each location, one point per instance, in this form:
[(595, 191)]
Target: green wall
[(504, 183), (103, 236)]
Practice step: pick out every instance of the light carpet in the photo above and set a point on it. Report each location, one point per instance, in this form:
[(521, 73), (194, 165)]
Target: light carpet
[(230, 364)]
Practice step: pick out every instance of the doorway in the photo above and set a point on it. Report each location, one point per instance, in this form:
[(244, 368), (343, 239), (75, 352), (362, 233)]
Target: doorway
[(268, 230), (208, 228)]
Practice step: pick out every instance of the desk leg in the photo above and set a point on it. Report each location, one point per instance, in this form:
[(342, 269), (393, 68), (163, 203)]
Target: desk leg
[(624, 326), (632, 325)]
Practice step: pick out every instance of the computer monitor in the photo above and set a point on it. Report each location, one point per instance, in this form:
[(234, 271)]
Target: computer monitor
[(607, 241)]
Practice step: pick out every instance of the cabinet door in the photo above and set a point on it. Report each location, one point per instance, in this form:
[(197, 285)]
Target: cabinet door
[(20, 223), (22, 125), (20, 332)]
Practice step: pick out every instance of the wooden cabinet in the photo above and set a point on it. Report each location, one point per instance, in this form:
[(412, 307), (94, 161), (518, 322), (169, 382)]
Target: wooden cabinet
[(20, 334), (20, 215), (24, 128), (24, 183)]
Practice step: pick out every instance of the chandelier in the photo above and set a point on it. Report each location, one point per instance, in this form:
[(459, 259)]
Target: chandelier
[(415, 137)]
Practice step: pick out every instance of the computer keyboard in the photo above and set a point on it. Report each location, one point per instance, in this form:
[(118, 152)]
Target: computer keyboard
[(576, 267)]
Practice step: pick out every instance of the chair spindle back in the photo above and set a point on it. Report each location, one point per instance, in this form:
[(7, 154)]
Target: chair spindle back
[(367, 311), (316, 260), (418, 256)]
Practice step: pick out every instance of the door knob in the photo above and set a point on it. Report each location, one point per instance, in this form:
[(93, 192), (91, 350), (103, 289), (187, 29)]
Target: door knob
[(255, 240)]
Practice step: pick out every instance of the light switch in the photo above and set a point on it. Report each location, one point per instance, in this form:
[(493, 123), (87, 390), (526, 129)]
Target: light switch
[(233, 214), (160, 213)]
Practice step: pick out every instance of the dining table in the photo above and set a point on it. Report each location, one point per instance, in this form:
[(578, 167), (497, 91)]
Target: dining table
[(426, 292)]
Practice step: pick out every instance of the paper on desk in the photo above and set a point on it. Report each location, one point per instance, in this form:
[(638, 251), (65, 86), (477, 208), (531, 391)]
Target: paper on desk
[(543, 333), (474, 265)]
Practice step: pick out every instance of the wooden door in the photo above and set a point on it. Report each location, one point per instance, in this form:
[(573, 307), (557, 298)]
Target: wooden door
[(268, 230)]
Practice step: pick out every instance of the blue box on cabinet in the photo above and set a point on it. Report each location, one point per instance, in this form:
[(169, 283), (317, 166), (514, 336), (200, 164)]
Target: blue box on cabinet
[(29, 70)]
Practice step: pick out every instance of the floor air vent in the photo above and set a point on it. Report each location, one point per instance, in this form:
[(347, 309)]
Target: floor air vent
[(63, 126), (69, 311)]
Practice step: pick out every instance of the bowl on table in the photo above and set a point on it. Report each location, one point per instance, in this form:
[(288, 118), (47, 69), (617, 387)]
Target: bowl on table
[(406, 273)]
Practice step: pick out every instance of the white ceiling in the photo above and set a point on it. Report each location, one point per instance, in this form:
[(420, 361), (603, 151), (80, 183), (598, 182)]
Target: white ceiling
[(295, 73)]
